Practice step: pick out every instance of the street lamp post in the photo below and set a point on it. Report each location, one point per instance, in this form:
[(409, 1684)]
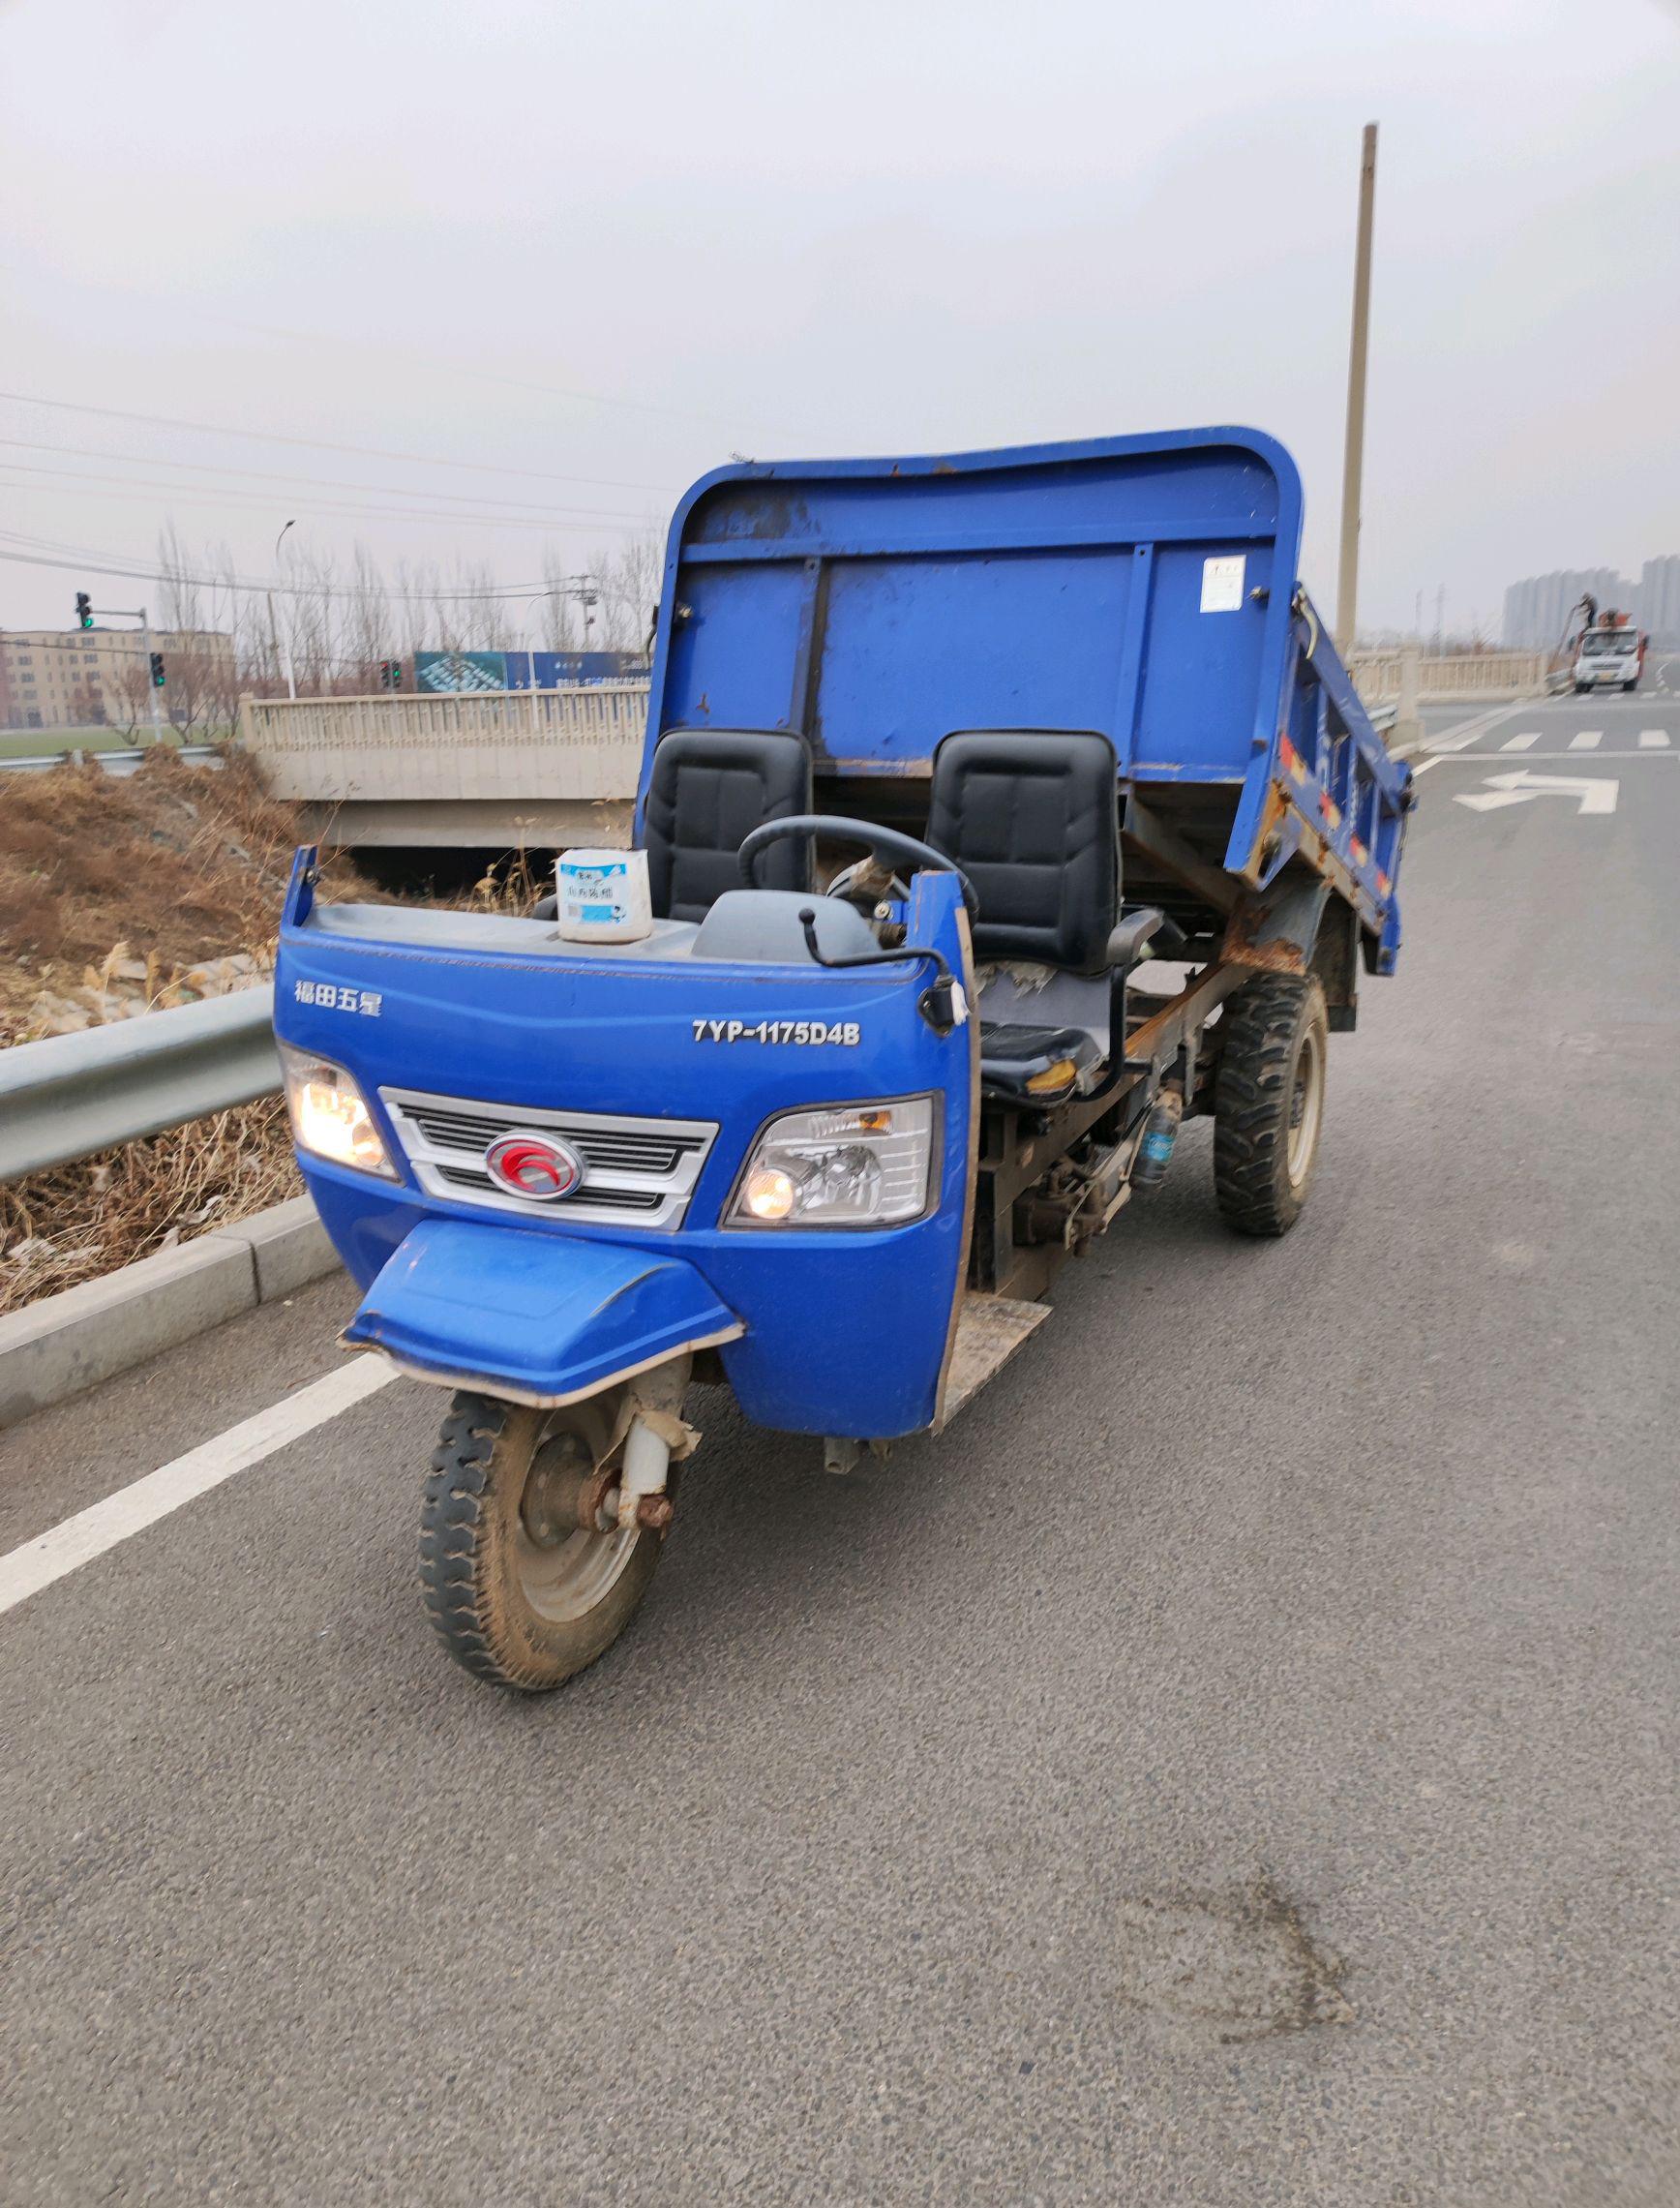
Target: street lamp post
[(274, 625)]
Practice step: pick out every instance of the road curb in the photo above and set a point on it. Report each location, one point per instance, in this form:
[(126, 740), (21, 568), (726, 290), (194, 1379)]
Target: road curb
[(84, 1334)]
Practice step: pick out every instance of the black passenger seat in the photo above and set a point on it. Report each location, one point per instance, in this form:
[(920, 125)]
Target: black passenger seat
[(1031, 816), (710, 789)]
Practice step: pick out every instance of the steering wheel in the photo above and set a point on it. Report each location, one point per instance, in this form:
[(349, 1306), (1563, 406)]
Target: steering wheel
[(884, 843)]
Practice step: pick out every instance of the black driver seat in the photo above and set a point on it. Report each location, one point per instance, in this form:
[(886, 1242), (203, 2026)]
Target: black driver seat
[(708, 790), (1031, 817)]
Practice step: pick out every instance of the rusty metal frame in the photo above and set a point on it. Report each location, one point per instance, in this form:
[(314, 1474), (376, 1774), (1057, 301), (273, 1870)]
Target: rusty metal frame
[(1016, 1157)]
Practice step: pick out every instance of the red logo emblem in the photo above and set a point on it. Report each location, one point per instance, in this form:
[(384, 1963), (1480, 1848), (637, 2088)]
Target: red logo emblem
[(535, 1165)]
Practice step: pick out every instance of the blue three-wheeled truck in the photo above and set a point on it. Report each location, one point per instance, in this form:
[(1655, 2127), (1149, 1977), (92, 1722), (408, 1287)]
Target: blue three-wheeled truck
[(947, 760)]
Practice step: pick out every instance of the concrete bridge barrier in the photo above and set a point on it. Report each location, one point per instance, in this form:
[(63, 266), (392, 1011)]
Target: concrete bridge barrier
[(483, 767)]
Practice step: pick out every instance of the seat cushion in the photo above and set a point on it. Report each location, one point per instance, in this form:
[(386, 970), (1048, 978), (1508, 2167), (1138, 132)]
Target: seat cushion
[(1010, 1056), (710, 789), (1031, 816)]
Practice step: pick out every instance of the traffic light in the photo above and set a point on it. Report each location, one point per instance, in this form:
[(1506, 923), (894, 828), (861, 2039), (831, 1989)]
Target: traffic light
[(390, 674), (83, 609), (157, 670)]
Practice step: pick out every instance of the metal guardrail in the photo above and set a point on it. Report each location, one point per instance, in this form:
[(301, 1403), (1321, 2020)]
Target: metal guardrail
[(69, 1096), (122, 762)]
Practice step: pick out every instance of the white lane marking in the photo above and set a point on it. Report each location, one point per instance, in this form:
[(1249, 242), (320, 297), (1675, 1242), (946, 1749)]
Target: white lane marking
[(1423, 766), (1588, 740), (1592, 795), (1524, 742), (1475, 758), (1654, 740), (1464, 732), (25, 1571)]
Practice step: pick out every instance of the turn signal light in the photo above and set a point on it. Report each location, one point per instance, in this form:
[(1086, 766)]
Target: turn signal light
[(1058, 1075)]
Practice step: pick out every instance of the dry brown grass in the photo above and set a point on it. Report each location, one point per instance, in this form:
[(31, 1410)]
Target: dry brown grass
[(182, 864), (173, 867), (176, 866), (72, 1222)]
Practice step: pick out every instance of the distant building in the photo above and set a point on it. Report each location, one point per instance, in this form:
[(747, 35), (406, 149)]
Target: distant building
[(1659, 599), (94, 677), (1536, 611)]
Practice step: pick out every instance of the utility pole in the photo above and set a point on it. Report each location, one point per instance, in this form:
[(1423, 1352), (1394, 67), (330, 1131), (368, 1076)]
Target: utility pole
[(1353, 456), (129, 614), (151, 686)]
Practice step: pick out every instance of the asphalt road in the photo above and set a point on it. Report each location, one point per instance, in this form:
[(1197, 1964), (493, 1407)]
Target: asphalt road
[(1235, 1765)]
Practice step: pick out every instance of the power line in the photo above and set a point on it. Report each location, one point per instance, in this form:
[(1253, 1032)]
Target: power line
[(129, 486), (272, 475), (328, 340), (133, 571), (324, 444), (472, 375)]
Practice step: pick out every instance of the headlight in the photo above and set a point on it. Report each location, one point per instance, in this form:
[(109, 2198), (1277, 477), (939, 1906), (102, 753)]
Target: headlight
[(841, 1165), (329, 1116)]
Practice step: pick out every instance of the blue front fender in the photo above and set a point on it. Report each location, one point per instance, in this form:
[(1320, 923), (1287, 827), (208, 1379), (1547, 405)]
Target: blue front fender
[(542, 1319)]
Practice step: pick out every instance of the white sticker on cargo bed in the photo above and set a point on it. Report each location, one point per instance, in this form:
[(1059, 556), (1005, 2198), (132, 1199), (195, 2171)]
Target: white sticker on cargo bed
[(1222, 583)]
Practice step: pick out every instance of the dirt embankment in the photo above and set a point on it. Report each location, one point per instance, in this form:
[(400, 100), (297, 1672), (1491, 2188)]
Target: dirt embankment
[(117, 896), (126, 888)]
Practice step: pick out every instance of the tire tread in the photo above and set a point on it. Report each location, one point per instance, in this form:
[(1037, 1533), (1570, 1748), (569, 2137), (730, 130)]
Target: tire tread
[(451, 1526), (1263, 1022)]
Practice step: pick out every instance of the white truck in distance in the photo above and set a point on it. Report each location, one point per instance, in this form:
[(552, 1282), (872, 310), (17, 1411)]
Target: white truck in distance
[(1611, 653)]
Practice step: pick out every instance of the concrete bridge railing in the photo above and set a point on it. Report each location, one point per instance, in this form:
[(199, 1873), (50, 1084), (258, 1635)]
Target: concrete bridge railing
[(1446, 678), (457, 767)]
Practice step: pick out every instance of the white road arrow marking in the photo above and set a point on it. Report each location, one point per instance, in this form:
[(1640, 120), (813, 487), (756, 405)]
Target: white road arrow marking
[(1595, 796)]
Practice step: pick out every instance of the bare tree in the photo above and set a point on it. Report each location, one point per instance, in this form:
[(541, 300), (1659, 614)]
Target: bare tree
[(87, 704), (314, 605), (415, 592), (131, 693), (367, 626), (179, 590), (629, 584), (335, 628)]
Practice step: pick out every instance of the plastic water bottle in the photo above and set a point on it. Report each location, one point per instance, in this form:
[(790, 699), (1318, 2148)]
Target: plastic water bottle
[(1161, 1130)]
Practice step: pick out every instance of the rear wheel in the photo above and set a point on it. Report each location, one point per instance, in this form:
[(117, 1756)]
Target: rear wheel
[(523, 1582), (1269, 1101)]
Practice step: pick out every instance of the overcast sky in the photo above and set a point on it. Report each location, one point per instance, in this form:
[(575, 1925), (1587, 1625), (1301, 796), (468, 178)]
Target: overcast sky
[(591, 251)]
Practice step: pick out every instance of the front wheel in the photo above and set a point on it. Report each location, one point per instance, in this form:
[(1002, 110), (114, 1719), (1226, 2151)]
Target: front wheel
[(526, 1579), (1269, 1101)]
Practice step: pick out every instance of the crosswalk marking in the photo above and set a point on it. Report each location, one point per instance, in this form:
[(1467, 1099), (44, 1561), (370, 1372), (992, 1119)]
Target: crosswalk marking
[(1588, 740), (1521, 742), (1653, 740)]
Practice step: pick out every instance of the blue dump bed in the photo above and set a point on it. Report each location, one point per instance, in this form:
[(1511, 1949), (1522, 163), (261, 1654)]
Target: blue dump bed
[(1143, 587)]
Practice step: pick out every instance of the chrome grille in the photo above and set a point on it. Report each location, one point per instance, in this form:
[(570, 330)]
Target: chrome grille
[(633, 1168)]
